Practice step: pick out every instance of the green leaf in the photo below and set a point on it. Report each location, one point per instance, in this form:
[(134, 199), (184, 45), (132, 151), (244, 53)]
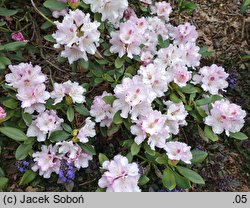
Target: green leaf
[(23, 151), (57, 136), (3, 182), (10, 103), (6, 12), (70, 114), (13, 133), (119, 62), (80, 108), (28, 177), (239, 136), (55, 5), (168, 179), (189, 89), (182, 182), (67, 127), (5, 61), (148, 149), (14, 46), (163, 43), (113, 129), (202, 134), (210, 134), (49, 38), (161, 160), (27, 118), (88, 149), (205, 53), (135, 149), (109, 99), (190, 175), (117, 119), (143, 180), (245, 6), (198, 156), (174, 98), (1, 172), (102, 158), (108, 78)]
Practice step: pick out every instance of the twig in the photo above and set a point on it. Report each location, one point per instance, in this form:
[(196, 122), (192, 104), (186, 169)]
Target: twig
[(87, 182), (37, 10)]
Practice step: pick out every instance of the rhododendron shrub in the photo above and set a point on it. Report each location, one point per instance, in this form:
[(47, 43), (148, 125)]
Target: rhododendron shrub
[(153, 88)]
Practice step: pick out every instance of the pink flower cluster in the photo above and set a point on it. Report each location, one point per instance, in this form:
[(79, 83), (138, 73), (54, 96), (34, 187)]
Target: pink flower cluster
[(111, 10), (43, 124), (120, 175), (78, 34), (88, 130), (162, 9), (212, 78), (72, 89), (29, 82), (101, 111), (18, 36), (225, 116), (49, 159), (179, 151)]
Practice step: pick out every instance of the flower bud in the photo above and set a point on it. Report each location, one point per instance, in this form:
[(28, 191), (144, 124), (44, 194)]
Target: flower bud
[(75, 132), (2, 114), (18, 36), (68, 100), (74, 3)]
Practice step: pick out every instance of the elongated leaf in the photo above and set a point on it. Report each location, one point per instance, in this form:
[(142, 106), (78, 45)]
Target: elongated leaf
[(82, 110), (181, 181), (70, 114), (198, 156), (190, 175), (13, 133), (7, 12), (22, 151), (135, 149), (143, 180), (14, 46), (168, 179), (28, 177), (102, 158), (109, 99), (57, 136), (117, 118), (210, 134), (3, 182), (239, 136), (89, 149), (55, 5)]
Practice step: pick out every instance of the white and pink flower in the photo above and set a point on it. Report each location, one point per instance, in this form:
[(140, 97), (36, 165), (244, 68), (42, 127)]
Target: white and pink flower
[(72, 89), (88, 130), (120, 175), (212, 79), (179, 151), (225, 116), (101, 111)]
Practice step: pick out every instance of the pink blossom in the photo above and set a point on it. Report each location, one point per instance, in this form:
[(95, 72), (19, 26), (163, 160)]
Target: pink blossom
[(88, 130), (101, 111), (179, 151), (73, 153), (162, 9), (78, 34), (25, 75), (18, 36), (225, 116), (111, 10), (72, 89), (120, 176), (43, 124), (46, 161), (212, 78), (180, 75), (32, 95), (184, 33)]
